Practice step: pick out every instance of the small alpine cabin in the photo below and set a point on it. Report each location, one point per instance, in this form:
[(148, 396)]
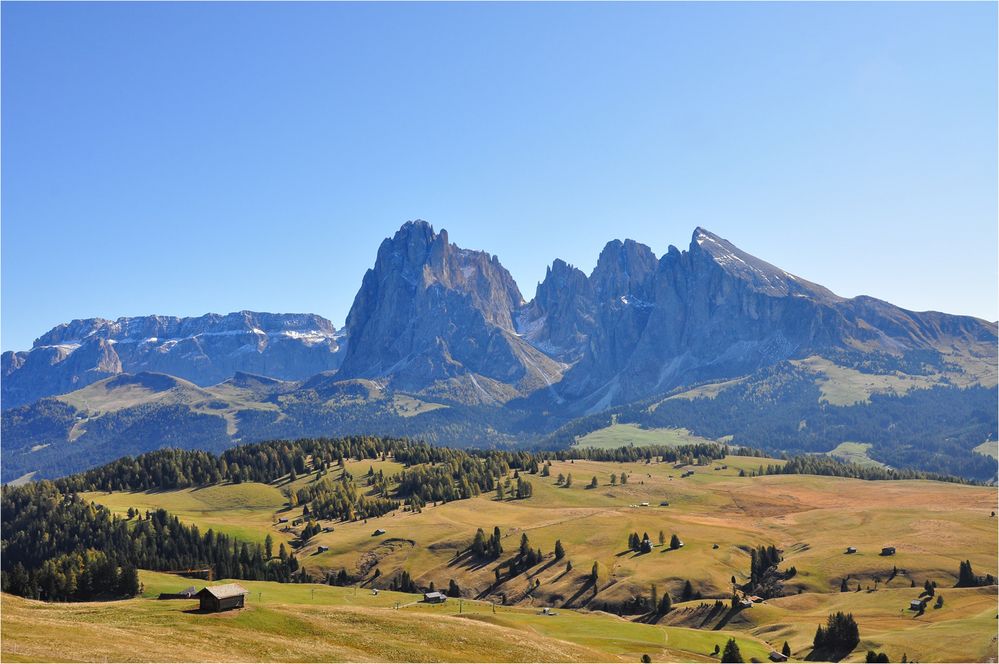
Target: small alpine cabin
[(222, 598)]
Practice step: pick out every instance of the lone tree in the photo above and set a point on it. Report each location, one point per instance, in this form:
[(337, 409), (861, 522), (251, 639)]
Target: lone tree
[(595, 572), (593, 483), (559, 550), (479, 544), (674, 542), (731, 652), (786, 650), (665, 604)]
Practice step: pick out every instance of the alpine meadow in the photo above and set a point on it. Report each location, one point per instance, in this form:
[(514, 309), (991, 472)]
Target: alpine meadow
[(664, 452)]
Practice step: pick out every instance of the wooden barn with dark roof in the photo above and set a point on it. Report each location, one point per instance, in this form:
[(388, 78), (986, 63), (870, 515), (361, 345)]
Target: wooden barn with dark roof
[(222, 598)]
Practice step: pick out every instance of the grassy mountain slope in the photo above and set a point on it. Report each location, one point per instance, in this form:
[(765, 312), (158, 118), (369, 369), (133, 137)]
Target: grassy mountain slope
[(718, 515)]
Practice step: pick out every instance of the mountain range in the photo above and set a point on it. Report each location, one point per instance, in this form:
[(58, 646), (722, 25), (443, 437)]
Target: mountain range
[(205, 350), (440, 343)]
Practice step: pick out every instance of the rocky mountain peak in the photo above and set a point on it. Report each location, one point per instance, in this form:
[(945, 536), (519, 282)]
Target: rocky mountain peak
[(430, 312), (758, 274), (623, 269)]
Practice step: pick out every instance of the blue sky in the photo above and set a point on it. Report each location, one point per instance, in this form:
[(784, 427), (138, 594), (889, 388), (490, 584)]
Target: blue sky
[(186, 158)]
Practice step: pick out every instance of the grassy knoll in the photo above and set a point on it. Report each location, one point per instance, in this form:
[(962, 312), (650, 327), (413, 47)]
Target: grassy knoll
[(407, 406), (705, 391), (622, 435), (854, 453), (245, 511), (989, 448)]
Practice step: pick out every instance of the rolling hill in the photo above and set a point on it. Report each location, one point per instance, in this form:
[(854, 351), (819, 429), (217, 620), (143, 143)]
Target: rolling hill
[(722, 510)]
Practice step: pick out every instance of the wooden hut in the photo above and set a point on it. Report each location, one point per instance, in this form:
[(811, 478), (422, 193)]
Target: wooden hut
[(222, 598)]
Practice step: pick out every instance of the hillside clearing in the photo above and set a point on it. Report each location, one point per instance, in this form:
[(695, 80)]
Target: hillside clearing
[(622, 435)]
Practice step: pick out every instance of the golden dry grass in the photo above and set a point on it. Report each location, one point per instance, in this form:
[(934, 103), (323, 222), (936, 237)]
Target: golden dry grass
[(812, 519)]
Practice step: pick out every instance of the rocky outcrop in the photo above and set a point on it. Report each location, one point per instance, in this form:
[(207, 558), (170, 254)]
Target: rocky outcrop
[(559, 320), (204, 350), (433, 318)]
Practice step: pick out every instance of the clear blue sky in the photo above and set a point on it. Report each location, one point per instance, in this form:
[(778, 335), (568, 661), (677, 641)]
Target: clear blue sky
[(190, 158)]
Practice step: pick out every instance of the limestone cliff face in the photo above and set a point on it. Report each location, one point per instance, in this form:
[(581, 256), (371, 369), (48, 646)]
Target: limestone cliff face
[(639, 326), (204, 350), (432, 317), (559, 320)]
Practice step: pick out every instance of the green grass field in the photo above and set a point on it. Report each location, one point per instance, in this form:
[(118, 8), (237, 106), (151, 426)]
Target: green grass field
[(842, 386), (854, 453), (706, 391), (244, 511), (623, 435), (989, 448)]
